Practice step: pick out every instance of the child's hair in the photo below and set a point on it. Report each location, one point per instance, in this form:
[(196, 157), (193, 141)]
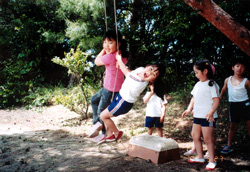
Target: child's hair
[(160, 68), (112, 34), (159, 89), (158, 83), (239, 60), (204, 64)]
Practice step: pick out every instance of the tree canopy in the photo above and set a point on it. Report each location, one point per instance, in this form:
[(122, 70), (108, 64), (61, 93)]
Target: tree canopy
[(165, 31)]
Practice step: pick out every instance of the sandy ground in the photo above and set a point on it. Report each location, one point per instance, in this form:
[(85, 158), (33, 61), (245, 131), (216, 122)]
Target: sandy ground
[(54, 139)]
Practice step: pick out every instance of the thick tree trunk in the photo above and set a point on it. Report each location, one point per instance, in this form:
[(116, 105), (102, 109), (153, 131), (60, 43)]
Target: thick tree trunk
[(223, 21)]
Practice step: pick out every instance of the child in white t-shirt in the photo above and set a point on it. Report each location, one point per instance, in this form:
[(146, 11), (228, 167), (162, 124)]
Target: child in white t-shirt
[(155, 110), (204, 104), (136, 81)]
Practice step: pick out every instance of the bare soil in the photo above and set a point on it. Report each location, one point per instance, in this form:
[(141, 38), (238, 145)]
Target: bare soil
[(55, 139)]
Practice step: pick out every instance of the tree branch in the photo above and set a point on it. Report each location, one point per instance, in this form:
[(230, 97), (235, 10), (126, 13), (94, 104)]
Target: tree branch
[(236, 32)]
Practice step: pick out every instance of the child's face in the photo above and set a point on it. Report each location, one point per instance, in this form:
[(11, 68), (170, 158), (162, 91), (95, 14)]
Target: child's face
[(109, 46), (202, 76), (150, 73), (239, 69)]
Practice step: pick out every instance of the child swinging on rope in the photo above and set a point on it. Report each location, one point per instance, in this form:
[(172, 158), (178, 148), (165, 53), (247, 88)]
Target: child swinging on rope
[(112, 81), (136, 81)]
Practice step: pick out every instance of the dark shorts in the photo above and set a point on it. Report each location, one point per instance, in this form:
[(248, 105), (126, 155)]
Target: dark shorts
[(204, 123), (119, 106), (238, 111), (153, 121)]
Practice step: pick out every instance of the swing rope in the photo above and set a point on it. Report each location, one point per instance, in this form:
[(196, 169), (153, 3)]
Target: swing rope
[(116, 30), (106, 23)]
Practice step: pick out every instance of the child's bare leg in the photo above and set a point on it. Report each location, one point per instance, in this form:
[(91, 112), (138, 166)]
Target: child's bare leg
[(232, 131), (193, 147), (109, 123), (196, 134), (208, 135), (150, 131), (160, 133)]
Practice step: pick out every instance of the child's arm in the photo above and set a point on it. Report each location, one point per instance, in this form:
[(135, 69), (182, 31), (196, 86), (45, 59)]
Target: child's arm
[(216, 102), (123, 67), (189, 109), (163, 112), (247, 85), (98, 60), (147, 97), (224, 89)]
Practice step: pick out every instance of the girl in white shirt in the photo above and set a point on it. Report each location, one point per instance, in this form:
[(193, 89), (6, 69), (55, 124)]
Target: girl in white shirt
[(155, 110), (204, 104), (136, 81)]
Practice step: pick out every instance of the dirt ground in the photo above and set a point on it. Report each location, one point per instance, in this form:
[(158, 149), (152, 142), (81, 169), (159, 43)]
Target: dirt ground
[(54, 139)]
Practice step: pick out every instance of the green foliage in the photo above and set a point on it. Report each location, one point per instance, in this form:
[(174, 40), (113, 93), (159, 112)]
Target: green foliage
[(78, 65), (169, 32), (24, 51), (182, 96), (20, 76), (84, 20), (39, 96), (73, 98), (76, 62)]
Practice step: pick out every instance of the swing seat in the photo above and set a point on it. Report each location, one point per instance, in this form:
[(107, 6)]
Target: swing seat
[(154, 148)]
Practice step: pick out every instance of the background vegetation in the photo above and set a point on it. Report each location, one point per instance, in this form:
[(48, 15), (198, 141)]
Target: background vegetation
[(33, 32)]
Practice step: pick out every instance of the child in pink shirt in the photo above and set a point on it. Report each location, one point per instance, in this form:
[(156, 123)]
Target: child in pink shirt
[(112, 81)]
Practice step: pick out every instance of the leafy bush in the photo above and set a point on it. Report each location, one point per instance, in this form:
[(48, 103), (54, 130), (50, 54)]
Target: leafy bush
[(39, 96), (17, 77), (72, 97), (78, 65)]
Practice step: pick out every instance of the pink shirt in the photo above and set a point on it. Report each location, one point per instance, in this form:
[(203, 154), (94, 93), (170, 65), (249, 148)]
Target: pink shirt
[(110, 73)]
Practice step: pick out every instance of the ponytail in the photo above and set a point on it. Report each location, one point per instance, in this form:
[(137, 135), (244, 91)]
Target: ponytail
[(204, 64)]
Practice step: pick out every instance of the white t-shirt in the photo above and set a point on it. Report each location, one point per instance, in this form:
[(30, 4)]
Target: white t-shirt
[(237, 93), (154, 104), (133, 86), (203, 98)]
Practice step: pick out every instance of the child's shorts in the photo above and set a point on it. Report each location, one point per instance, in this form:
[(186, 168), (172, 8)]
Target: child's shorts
[(239, 110), (204, 123), (119, 106), (153, 121)]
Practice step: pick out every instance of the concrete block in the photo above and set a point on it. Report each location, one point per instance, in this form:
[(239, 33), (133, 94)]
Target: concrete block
[(154, 148)]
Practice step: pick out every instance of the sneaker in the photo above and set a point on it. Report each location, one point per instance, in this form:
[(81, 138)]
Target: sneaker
[(110, 139), (196, 160), (102, 140), (226, 150), (95, 129), (119, 135), (98, 138), (206, 156), (211, 166), (190, 153)]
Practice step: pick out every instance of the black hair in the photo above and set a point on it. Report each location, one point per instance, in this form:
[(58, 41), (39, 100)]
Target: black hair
[(204, 64), (159, 88), (239, 60), (112, 34), (160, 68)]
